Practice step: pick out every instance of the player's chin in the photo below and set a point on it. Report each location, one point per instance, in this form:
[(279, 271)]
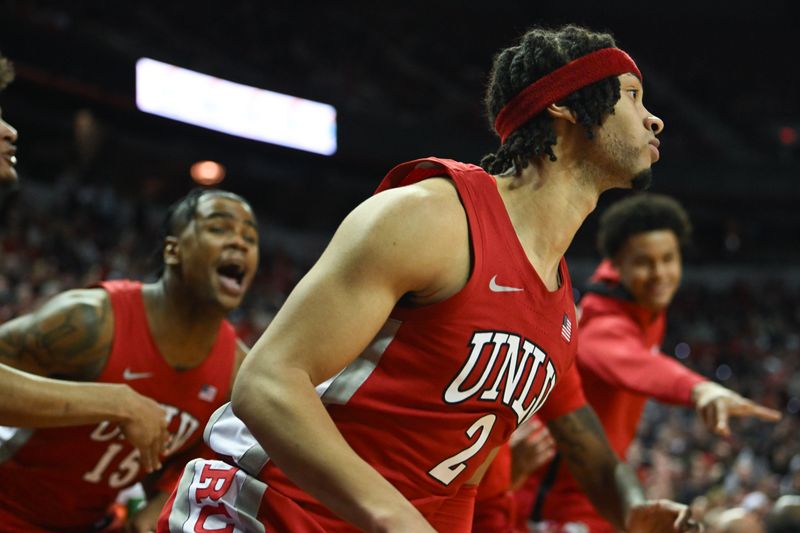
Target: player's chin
[(8, 174), (642, 180), (229, 302)]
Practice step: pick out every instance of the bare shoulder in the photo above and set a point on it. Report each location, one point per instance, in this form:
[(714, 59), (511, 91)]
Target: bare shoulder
[(94, 299), (84, 309), (439, 193), (429, 207), (420, 231), (69, 336)]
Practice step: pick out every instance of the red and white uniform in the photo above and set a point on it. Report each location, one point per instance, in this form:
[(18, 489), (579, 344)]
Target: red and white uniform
[(621, 367), (66, 478), (438, 388)]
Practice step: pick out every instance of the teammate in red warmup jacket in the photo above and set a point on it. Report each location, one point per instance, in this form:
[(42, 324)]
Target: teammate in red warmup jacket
[(34, 401), (168, 340), (623, 318), (439, 318)]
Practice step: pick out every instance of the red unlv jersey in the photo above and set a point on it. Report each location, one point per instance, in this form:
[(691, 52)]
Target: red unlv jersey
[(65, 478), (440, 386)]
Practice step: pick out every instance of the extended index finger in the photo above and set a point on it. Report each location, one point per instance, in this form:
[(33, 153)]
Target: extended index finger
[(764, 413)]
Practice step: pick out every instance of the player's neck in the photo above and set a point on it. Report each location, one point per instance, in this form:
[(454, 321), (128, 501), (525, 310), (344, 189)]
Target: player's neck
[(547, 204), (184, 330)]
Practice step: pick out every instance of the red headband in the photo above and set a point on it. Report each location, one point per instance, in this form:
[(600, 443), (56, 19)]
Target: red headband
[(561, 83)]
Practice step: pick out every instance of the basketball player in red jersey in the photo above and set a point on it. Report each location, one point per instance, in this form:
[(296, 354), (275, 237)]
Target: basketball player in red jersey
[(622, 326), (439, 318), (35, 401), (168, 340)]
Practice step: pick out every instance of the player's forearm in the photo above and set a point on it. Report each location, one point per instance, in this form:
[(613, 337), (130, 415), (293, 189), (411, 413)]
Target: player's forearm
[(35, 401), (609, 484), (284, 413), (612, 488)]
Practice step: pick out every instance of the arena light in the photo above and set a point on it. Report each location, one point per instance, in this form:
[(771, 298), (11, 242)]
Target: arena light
[(221, 105), (207, 172)]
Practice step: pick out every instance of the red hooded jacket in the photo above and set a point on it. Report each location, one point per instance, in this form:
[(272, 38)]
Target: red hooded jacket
[(621, 367)]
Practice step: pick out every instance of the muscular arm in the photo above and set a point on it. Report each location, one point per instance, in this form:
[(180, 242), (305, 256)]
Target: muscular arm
[(611, 485), (34, 401), (403, 241), (70, 336)]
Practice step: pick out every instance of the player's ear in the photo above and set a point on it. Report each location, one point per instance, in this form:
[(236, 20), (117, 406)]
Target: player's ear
[(171, 251), (563, 112)]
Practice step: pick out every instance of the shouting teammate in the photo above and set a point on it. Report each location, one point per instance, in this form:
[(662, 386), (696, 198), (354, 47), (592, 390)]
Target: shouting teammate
[(167, 340)]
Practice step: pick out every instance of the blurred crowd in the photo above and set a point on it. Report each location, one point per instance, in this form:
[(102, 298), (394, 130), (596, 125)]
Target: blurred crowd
[(745, 337), (63, 235)]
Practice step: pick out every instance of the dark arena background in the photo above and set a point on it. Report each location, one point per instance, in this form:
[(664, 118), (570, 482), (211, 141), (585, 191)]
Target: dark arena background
[(407, 81)]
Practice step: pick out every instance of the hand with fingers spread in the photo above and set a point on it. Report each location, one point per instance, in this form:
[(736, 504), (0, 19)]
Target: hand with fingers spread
[(145, 426), (532, 446), (716, 404), (661, 516)]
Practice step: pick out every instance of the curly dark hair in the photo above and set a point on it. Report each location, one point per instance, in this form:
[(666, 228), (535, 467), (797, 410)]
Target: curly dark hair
[(638, 214), (539, 52), (6, 72)]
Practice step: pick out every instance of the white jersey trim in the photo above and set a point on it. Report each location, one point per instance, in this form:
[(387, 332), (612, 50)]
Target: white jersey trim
[(340, 388), (227, 435)]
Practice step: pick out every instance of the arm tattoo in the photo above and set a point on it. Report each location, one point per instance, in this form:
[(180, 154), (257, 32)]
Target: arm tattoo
[(576, 433), (594, 465), (68, 337)]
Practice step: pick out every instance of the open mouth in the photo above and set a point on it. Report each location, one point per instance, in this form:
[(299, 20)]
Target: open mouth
[(231, 276)]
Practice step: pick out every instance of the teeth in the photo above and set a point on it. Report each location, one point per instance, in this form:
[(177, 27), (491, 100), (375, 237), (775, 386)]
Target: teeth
[(13, 159)]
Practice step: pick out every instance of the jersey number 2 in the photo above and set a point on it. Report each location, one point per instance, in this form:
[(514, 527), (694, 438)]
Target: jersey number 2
[(447, 470)]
